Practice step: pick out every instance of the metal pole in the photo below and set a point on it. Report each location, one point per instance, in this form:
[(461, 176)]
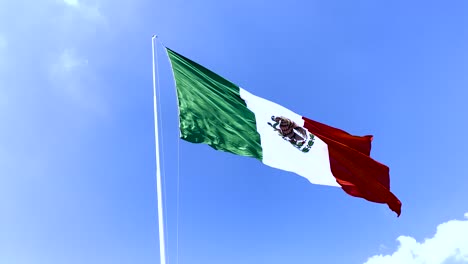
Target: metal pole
[(162, 250)]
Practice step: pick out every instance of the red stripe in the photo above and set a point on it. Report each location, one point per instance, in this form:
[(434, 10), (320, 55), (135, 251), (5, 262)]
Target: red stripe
[(357, 173)]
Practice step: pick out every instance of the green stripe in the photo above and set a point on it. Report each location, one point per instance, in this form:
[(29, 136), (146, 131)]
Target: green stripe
[(211, 110)]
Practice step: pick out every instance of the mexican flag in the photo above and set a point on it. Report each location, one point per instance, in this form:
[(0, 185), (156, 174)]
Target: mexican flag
[(217, 112)]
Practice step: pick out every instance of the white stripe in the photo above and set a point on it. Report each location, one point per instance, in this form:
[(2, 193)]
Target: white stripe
[(281, 154)]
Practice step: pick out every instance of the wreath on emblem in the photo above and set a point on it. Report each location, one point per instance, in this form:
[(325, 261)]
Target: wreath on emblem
[(298, 136)]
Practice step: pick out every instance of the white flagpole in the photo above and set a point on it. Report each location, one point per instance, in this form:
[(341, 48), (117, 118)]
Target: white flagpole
[(162, 250)]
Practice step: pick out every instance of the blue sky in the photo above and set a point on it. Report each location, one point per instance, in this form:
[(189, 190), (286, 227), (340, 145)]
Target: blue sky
[(77, 181)]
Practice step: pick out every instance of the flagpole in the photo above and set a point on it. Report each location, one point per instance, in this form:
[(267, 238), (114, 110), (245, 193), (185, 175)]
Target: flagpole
[(162, 250)]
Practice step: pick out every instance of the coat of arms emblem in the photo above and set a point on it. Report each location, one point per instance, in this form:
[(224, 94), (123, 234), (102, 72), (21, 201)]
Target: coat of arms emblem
[(298, 136)]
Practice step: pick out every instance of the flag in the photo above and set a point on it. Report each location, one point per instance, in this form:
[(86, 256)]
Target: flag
[(217, 112)]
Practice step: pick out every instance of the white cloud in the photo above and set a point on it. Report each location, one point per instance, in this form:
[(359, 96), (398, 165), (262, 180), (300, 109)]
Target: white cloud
[(449, 243)]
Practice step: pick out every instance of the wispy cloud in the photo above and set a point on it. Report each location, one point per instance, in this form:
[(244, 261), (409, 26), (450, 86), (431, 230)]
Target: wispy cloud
[(73, 3), (74, 78), (58, 45), (66, 71), (3, 51), (68, 61), (3, 43), (87, 11), (449, 242)]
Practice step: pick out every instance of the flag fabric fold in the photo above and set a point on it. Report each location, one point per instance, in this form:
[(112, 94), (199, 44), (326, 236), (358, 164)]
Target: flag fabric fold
[(217, 112), (357, 173)]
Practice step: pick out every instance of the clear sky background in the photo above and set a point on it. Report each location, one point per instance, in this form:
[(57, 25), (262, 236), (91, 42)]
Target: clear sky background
[(77, 166)]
